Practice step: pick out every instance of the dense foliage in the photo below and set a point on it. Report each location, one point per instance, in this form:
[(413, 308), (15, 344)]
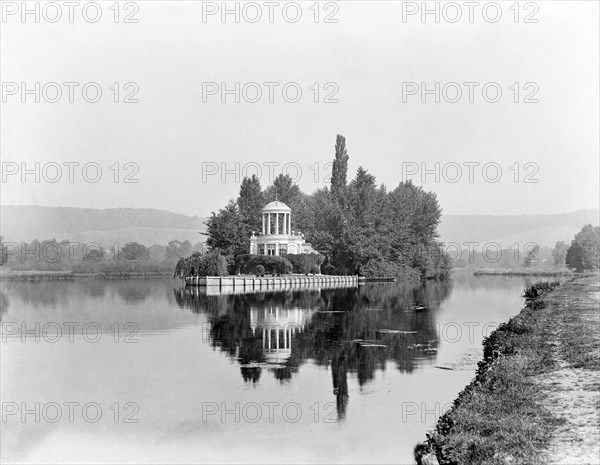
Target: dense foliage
[(68, 256), (271, 264), (584, 252), (360, 227), (537, 289), (304, 262), (559, 253), (198, 264)]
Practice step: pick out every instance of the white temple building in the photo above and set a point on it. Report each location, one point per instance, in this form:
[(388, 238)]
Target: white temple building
[(277, 237)]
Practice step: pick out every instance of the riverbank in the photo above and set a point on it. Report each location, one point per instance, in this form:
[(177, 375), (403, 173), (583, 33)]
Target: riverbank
[(531, 272), (70, 276), (535, 397)]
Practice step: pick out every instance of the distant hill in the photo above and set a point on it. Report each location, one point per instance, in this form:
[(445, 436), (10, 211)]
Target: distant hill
[(544, 230), (143, 225), (149, 226)]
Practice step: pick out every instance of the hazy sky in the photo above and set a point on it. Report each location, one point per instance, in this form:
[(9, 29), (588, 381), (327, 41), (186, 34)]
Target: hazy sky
[(177, 140)]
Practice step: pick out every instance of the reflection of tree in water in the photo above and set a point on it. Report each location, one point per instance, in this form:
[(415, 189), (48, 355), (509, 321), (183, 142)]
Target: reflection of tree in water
[(339, 372), (354, 330), (4, 303), (93, 287), (38, 294), (134, 290)]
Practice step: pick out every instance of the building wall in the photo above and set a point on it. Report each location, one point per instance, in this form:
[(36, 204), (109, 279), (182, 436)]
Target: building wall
[(293, 245)]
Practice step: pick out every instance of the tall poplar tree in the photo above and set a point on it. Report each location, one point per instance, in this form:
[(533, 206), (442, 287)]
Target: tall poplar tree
[(339, 171)]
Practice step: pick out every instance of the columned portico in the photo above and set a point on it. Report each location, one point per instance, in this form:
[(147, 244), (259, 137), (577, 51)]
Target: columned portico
[(276, 237)]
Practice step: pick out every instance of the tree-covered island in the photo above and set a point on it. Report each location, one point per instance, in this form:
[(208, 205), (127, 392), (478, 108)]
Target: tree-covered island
[(357, 227)]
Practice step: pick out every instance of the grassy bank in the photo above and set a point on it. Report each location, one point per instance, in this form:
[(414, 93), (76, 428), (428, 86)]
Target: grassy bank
[(508, 413)]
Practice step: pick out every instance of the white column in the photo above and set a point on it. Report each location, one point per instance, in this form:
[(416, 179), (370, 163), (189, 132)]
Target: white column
[(289, 223), (263, 224), (277, 248), (276, 223), (268, 223), (285, 223)]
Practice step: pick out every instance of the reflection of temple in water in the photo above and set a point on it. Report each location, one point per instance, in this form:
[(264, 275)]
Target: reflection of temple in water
[(354, 332), (278, 326)]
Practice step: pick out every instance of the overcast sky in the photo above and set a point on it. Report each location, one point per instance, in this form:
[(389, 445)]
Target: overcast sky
[(174, 137)]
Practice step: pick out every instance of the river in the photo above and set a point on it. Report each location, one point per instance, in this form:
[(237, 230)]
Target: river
[(148, 371)]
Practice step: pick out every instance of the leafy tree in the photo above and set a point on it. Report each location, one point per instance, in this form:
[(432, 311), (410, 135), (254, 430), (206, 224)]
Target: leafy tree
[(303, 262), (363, 196), (250, 202), (559, 253), (228, 234), (186, 248), (172, 251), (328, 269), (197, 264), (176, 250), (586, 254), (589, 240), (134, 251), (574, 258), (284, 189)]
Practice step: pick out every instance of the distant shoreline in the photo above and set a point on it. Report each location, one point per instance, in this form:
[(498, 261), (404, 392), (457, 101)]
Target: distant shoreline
[(70, 276), (534, 272)]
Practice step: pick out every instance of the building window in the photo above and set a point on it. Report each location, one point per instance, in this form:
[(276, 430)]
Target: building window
[(270, 249), (282, 249), (261, 249)]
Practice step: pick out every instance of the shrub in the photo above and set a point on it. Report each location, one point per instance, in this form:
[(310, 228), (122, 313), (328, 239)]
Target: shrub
[(282, 267), (382, 268), (210, 264), (315, 269), (536, 290), (303, 262), (341, 271), (328, 269), (379, 268), (271, 263), (259, 270)]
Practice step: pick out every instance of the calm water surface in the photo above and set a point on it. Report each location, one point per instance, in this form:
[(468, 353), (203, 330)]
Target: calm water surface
[(330, 375)]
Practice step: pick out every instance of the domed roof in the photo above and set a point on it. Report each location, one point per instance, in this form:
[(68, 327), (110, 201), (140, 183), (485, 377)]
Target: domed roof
[(276, 206)]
